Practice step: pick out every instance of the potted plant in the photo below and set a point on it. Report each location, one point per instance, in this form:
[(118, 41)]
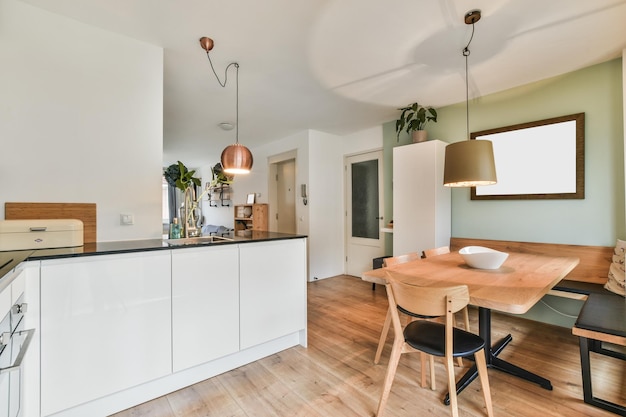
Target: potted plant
[(413, 119), (177, 175)]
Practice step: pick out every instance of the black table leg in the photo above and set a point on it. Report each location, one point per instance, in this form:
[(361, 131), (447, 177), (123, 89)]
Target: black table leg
[(491, 355)]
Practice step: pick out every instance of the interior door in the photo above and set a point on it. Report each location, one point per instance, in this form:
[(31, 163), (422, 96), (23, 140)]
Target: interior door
[(286, 196), (364, 208)]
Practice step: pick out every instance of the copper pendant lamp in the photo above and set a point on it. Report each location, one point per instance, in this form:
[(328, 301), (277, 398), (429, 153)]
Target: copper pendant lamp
[(469, 163), (236, 158)]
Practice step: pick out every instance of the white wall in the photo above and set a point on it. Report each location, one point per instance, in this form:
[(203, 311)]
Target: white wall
[(257, 180), (320, 166), (363, 141), (326, 205), (220, 215), (598, 219), (80, 119)]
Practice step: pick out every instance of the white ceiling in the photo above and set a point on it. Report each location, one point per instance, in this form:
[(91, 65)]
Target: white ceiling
[(340, 66)]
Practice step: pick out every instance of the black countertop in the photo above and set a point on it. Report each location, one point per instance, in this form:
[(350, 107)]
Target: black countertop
[(128, 246), (11, 259)]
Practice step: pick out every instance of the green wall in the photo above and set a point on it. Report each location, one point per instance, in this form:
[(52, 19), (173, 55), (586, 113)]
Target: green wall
[(596, 220)]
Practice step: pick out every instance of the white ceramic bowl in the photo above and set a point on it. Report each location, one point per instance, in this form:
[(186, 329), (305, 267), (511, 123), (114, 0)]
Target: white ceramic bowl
[(483, 258)]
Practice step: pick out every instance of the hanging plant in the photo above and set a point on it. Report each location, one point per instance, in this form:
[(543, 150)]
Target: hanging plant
[(218, 176)]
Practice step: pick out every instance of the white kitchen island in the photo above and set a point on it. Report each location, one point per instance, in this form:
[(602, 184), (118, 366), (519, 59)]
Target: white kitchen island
[(120, 328)]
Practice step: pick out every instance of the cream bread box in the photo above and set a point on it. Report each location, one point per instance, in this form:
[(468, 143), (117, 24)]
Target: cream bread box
[(40, 234)]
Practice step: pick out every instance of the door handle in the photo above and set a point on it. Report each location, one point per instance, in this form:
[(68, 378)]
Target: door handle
[(20, 356), (379, 218)]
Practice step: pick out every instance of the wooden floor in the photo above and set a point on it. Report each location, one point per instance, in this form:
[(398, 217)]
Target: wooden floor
[(335, 376)]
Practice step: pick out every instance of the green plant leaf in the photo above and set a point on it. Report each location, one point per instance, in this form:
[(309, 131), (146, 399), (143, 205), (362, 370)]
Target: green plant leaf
[(181, 177), (421, 115), (414, 117), (171, 174), (414, 125), (399, 127)]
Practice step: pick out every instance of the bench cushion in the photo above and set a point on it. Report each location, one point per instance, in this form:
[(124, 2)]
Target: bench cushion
[(579, 287), (604, 313)]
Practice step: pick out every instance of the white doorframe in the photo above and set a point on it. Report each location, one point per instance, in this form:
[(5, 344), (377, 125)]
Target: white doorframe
[(272, 194), (361, 251)]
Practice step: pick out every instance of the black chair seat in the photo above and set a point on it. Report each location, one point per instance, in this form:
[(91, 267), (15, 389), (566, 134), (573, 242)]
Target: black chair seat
[(430, 337)]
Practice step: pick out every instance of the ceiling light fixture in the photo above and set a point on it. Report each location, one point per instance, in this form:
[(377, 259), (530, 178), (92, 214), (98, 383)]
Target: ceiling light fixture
[(236, 158), (469, 163)]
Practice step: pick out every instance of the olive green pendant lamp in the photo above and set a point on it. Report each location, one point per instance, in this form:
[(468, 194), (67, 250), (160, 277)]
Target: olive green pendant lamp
[(236, 158), (469, 163)]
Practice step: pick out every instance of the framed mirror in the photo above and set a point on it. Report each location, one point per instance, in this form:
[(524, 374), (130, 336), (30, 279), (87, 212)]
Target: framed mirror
[(537, 160)]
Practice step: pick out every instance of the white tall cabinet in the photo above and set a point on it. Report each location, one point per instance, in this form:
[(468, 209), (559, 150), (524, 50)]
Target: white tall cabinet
[(421, 204)]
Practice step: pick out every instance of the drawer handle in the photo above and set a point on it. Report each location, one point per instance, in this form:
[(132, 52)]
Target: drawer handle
[(19, 308), (38, 228), (20, 356)]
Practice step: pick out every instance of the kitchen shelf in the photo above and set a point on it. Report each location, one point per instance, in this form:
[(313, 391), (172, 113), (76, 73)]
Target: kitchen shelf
[(220, 196), (250, 217)]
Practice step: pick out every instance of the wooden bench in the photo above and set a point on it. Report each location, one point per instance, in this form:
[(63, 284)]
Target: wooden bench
[(602, 319), (603, 315), (588, 277)]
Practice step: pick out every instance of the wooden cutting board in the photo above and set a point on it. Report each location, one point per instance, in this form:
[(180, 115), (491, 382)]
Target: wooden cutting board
[(86, 212)]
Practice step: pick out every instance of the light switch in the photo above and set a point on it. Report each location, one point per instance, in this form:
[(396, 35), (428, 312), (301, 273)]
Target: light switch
[(127, 219)]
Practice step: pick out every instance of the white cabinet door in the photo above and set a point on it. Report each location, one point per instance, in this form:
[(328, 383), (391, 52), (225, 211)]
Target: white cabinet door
[(5, 358), (421, 204), (5, 301), (11, 386), (105, 326), (273, 290), (205, 304)]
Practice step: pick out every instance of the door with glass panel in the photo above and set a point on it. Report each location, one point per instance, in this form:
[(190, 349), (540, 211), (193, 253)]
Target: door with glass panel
[(364, 211)]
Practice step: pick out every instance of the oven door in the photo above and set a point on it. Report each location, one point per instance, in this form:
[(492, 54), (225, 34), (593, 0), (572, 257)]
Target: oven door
[(14, 342), (5, 362)]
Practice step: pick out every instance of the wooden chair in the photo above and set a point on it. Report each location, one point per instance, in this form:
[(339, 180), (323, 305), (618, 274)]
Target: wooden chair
[(436, 251), (383, 334), (400, 259), (431, 337), (441, 251), (385, 331)]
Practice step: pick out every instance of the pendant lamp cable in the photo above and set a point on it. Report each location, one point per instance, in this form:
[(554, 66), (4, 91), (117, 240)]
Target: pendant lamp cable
[(223, 84), (469, 163), (466, 53)]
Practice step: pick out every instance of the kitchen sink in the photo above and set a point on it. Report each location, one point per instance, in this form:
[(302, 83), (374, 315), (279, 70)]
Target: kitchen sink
[(200, 240)]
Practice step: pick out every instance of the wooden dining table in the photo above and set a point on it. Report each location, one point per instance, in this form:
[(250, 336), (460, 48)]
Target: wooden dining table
[(521, 281)]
